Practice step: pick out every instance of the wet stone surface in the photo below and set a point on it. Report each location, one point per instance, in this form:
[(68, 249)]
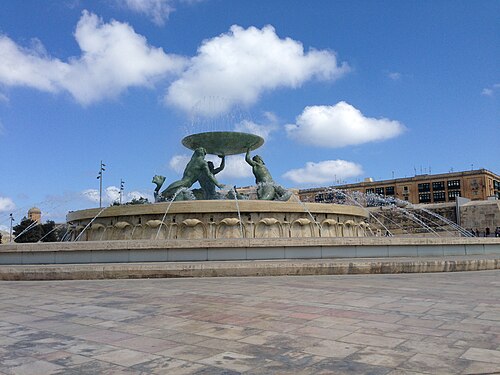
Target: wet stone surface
[(443, 323)]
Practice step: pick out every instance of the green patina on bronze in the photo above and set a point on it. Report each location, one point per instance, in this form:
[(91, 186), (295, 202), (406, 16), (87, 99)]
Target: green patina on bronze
[(223, 143), (203, 172)]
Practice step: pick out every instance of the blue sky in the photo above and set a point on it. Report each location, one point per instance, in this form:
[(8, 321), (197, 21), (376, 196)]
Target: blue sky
[(340, 90)]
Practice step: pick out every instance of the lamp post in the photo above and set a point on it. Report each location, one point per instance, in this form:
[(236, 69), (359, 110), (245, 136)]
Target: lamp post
[(99, 177), (11, 221), (122, 183)]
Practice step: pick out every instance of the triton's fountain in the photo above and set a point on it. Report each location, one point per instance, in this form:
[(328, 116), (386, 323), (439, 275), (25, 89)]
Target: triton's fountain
[(204, 213)]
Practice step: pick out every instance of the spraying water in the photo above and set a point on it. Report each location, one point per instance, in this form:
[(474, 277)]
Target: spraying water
[(431, 222), (90, 222), (168, 208), (238, 209)]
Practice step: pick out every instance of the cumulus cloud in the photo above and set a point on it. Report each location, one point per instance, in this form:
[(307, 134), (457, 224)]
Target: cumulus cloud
[(324, 172), (242, 64), (236, 166), (179, 162), (157, 10), (490, 91), (263, 130), (340, 125), (6, 204), (112, 194), (114, 57)]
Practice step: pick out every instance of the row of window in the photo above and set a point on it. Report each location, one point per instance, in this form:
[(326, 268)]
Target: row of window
[(438, 196), (438, 186), (389, 190), (422, 188), (496, 185)]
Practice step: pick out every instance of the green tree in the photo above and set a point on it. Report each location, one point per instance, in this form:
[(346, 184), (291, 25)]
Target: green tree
[(27, 231), (24, 235), (49, 232)]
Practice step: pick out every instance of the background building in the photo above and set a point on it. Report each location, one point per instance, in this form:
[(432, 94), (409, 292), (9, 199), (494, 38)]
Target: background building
[(35, 214), (437, 188)]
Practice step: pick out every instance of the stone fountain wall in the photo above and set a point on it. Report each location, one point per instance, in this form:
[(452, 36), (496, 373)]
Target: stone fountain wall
[(195, 220)]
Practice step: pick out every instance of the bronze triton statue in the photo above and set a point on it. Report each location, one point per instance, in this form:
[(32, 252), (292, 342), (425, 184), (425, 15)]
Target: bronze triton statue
[(197, 169), (267, 189)]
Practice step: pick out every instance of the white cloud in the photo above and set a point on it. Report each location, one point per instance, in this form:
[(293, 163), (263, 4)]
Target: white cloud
[(6, 204), (487, 92), (4, 98), (242, 64), (179, 162), (340, 125), (112, 194), (324, 172), (236, 166), (113, 58), (157, 10), (395, 76), (263, 130), (490, 91)]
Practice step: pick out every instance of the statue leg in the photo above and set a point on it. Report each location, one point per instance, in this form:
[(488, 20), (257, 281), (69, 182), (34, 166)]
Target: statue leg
[(266, 192), (173, 187)]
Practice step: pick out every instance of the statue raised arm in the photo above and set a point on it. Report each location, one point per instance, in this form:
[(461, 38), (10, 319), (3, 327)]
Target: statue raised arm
[(196, 168)]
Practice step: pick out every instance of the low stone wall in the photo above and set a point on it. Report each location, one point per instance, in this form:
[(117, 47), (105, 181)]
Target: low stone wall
[(248, 268), (479, 215), (241, 249)]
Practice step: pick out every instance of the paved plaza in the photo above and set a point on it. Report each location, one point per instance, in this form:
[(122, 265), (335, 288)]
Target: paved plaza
[(441, 323)]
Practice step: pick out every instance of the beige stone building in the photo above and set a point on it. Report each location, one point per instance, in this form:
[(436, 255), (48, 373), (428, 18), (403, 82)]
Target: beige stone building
[(475, 185), (35, 214)]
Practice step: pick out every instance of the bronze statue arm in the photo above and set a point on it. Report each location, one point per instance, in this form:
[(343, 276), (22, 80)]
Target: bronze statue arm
[(247, 158), (212, 178), (222, 164)]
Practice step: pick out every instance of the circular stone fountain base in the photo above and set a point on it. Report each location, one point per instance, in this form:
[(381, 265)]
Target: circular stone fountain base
[(195, 220)]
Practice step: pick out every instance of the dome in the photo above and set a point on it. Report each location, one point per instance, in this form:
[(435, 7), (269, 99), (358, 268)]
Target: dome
[(34, 210)]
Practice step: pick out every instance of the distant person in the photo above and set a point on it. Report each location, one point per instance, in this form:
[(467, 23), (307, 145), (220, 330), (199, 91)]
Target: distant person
[(487, 232), (497, 232)]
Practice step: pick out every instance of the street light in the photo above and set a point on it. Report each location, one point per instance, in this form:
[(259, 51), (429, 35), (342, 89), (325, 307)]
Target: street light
[(11, 221), (99, 177), (122, 183)]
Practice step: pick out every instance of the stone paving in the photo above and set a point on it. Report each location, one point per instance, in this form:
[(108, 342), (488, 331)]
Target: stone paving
[(443, 323)]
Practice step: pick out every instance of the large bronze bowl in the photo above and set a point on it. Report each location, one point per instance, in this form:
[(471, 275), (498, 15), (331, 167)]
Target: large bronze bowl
[(223, 143)]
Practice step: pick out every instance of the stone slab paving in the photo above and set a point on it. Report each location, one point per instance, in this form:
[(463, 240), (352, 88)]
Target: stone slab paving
[(442, 323)]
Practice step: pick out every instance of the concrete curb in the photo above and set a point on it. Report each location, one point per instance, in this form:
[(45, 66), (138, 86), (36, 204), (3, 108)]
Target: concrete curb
[(246, 268)]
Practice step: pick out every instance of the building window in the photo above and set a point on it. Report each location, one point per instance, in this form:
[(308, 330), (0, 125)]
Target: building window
[(454, 184), (439, 196), (379, 191), (370, 191), (424, 198), (438, 186), (424, 187), (389, 190), (496, 185), (405, 189), (452, 195)]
